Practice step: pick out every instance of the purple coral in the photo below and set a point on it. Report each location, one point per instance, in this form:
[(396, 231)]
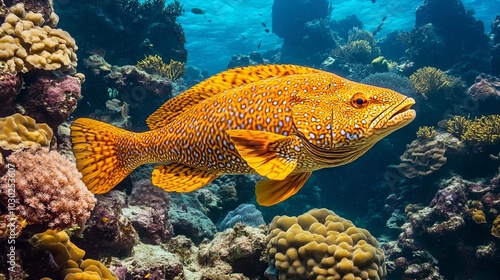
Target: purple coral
[(10, 85), (48, 189), (51, 99)]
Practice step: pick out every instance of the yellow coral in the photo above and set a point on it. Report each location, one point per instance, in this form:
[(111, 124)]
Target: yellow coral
[(26, 42), (18, 131), (495, 228), (426, 133), (89, 269), (59, 246), (321, 245), (429, 80), (66, 255), (154, 64), (482, 130), (478, 216)]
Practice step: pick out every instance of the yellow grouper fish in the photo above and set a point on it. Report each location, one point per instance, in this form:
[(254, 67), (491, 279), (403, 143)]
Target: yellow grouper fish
[(279, 121)]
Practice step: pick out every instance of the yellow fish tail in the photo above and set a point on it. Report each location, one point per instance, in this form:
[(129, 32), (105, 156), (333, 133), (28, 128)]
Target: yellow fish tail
[(98, 156)]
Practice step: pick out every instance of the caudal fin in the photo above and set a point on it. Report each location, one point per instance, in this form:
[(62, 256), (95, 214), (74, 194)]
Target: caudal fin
[(98, 157)]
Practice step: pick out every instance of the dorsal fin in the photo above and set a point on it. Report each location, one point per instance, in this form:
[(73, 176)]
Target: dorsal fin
[(217, 84)]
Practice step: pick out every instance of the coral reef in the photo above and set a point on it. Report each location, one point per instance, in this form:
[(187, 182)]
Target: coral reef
[(18, 131), (48, 189), (26, 43), (460, 214), (244, 213), (319, 244)]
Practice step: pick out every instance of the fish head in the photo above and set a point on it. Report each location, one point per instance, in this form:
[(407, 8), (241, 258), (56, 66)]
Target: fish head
[(334, 115)]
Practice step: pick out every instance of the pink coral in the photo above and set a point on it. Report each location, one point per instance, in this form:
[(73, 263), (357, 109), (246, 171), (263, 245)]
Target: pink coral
[(48, 189)]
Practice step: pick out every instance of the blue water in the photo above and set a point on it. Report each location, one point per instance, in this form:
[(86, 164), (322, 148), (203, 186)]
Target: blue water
[(212, 44)]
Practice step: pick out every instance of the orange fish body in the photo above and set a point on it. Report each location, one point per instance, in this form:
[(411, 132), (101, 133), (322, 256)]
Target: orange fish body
[(279, 121)]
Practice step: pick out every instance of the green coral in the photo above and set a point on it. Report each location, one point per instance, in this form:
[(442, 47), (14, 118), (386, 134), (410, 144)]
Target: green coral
[(153, 64), (426, 133), (381, 64), (429, 80), (483, 130)]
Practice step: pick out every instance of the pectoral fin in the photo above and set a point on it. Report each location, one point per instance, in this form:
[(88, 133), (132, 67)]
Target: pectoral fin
[(271, 155), (180, 178), (270, 192)]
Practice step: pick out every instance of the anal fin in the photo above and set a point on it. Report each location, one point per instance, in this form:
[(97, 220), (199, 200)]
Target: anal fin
[(270, 192), (180, 178), (270, 154)]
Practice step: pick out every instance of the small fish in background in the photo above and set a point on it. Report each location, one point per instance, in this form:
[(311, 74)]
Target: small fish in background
[(247, 120), (266, 30), (384, 18), (243, 37), (197, 11), (373, 1), (260, 14), (379, 27), (263, 24), (260, 43)]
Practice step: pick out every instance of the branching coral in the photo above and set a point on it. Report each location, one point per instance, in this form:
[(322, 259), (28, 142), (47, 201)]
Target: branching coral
[(426, 133), (321, 245), (429, 80), (26, 43), (153, 64), (18, 131), (483, 130), (48, 189)]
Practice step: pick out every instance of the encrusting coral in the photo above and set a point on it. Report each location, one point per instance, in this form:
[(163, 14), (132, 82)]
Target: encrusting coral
[(18, 131), (422, 157), (26, 43), (321, 245), (495, 228), (48, 189)]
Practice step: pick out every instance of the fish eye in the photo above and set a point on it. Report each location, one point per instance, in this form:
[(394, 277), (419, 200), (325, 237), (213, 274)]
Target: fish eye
[(359, 100)]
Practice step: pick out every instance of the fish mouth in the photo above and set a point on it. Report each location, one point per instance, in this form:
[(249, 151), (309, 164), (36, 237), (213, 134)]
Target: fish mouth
[(396, 117)]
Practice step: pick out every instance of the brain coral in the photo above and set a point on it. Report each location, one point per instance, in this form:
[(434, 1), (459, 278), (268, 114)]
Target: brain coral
[(18, 131), (27, 43), (321, 245), (48, 189)]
